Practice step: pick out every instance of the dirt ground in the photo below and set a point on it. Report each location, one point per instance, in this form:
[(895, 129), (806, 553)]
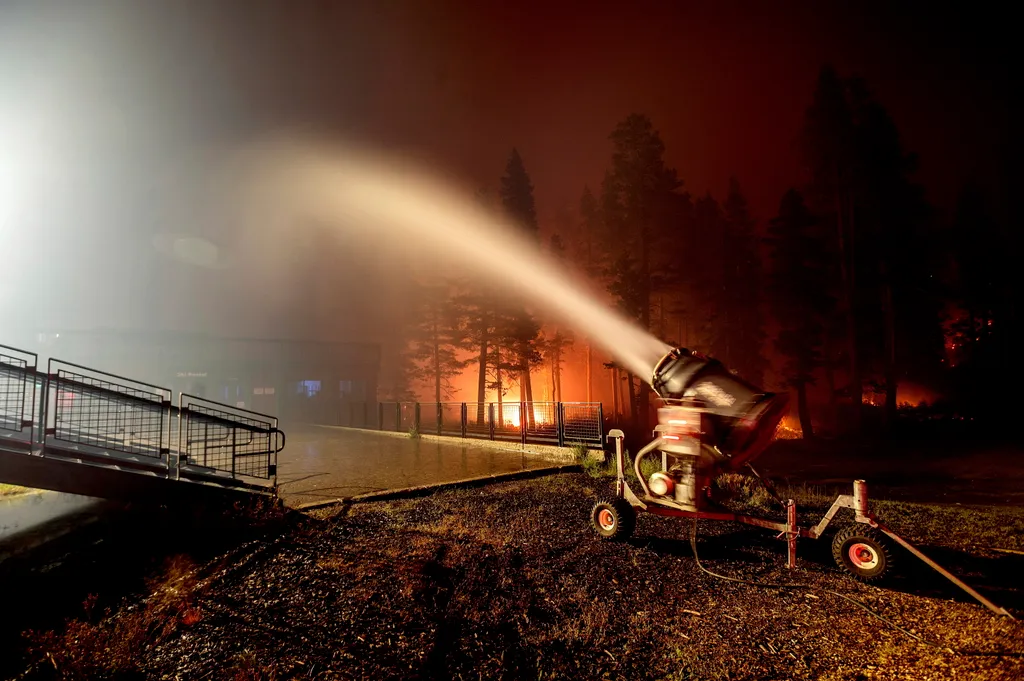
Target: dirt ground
[(508, 581)]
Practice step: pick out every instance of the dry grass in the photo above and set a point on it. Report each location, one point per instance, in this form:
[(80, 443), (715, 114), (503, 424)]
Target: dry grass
[(507, 582), (106, 645), (12, 490)]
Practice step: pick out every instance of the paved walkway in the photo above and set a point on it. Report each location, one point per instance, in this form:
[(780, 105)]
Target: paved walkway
[(321, 463)]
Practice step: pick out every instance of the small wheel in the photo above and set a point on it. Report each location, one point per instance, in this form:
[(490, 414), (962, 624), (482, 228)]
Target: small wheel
[(614, 519), (863, 551)]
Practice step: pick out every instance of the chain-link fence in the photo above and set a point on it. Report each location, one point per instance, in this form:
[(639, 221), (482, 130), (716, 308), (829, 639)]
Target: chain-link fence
[(554, 423)]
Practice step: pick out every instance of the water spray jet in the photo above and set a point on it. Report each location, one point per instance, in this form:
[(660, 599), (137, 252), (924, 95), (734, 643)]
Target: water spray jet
[(710, 420), (410, 212)]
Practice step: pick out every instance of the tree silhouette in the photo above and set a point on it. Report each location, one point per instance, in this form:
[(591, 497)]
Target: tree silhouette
[(638, 199), (982, 337), (798, 296), (705, 264), (521, 330), (558, 340), (895, 262), (828, 145), (743, 283), (479, 335), (436, 340)]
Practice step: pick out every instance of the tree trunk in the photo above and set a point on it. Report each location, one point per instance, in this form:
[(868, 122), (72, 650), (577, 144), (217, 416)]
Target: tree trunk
[(437, 374), (615, 391), (640, 406), (590, 373), (661, 316), (856, 379), (558, 372), (849, 295), (501, 388), (891, 370), (481, 384), (804, 411), (526, 394), (828, 365), (553, 370), (634, 404)]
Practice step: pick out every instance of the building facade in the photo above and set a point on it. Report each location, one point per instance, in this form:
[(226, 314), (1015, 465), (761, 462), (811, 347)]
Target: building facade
[(295, 380)]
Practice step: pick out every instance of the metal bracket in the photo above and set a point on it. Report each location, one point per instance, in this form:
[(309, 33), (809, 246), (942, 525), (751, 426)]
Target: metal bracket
[(858, 501)]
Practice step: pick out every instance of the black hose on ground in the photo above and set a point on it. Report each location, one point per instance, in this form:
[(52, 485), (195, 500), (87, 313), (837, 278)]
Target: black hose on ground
[(794, 585)]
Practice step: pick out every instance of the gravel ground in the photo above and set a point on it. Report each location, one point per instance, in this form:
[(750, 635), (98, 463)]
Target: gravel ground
[(508, 581)]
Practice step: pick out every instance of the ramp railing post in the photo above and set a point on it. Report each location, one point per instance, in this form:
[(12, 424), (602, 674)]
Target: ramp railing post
[(462, 418), (490, 420), (181, 452), (44, 401)]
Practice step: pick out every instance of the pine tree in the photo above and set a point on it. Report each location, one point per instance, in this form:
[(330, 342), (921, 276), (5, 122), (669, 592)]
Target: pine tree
[(558, 340), (637, 206), (829, 148), (479, 328), (521, 330), (798, 296), (709, 322), (436, 339), (898, 261), (743, 285)]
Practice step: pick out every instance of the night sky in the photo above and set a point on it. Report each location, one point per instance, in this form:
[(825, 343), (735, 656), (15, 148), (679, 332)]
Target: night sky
[(460, 83), (139, 91)]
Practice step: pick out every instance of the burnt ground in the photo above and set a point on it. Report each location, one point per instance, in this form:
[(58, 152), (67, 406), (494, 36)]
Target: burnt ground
[(508, 581)]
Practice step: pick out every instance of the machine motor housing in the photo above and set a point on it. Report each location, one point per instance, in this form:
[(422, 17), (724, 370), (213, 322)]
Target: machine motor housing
[(744, 417)]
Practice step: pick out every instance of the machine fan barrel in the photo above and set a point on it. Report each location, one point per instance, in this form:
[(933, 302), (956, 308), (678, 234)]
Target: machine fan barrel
[(745, 417)]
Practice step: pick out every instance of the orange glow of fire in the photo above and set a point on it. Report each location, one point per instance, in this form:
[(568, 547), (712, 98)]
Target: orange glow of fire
[(540, 416), (789, 429)]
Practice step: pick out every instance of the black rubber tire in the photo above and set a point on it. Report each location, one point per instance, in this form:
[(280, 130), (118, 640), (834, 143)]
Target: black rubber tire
[(876, 558), (613, 519)]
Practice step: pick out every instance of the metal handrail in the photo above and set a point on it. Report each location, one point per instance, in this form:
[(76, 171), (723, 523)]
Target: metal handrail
[(119, 408)]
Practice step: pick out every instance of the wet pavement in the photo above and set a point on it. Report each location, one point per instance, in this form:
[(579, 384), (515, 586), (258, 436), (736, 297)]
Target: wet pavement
[(323, 463)]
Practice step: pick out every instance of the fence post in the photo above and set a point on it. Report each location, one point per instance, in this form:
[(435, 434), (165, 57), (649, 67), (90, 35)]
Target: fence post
[(398, 417), (416, 416), (380, 416), (490, 420), (462, 417), (600, 422), (440, 416), (366, 416), (523, 421), (560, 423)]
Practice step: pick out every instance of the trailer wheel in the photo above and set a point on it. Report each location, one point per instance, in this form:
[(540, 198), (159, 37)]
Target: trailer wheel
[(613, 519), (863, 551)]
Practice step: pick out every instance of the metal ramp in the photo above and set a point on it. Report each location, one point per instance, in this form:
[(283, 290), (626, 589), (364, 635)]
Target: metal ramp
[(78, 430)]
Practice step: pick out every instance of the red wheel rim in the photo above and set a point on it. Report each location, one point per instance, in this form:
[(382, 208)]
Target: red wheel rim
[(862, 556), (605, 519)]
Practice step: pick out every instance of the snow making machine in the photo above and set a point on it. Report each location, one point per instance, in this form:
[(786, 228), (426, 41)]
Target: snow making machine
[(711, 422)]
